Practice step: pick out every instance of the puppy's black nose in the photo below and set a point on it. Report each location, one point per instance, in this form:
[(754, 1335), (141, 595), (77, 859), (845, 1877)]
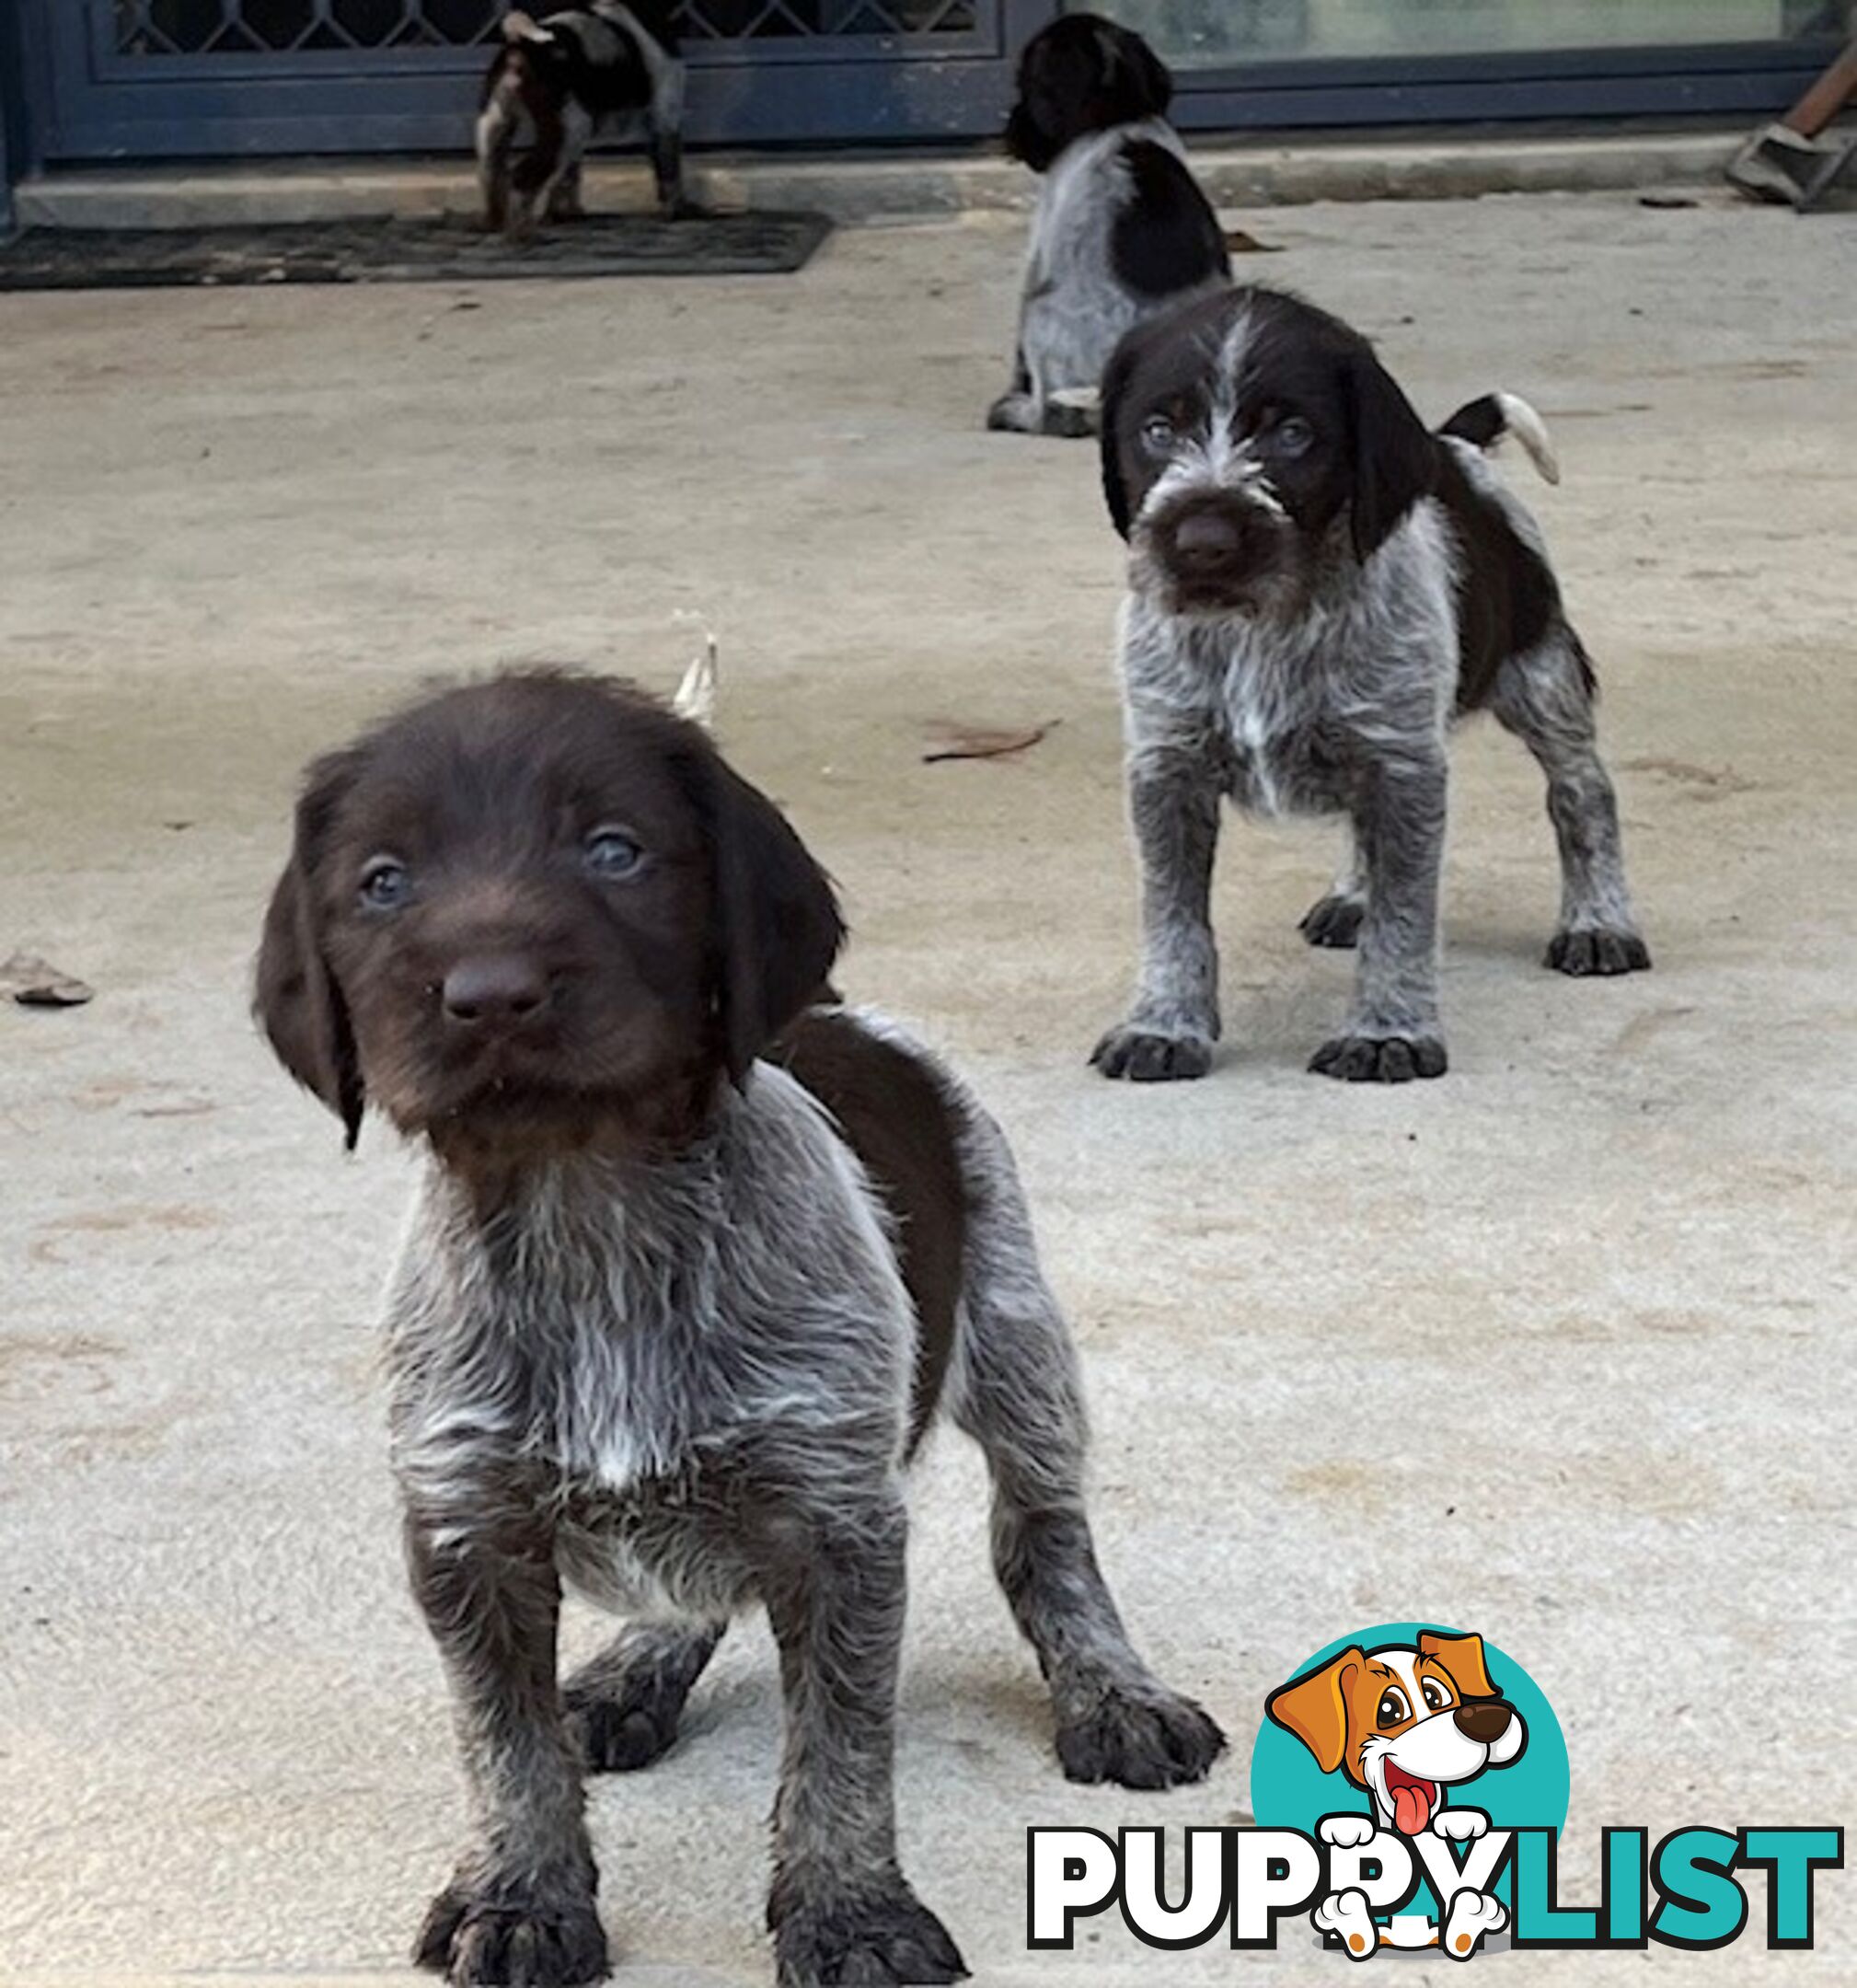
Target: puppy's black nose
[(504, 988), (1206, 539), (1484, 1722)]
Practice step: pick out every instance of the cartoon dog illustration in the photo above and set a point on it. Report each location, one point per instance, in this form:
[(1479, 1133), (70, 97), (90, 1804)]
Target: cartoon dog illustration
[(1405, 1723)]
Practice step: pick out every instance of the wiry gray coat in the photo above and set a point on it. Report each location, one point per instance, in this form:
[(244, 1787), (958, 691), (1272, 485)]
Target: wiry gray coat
[(652, 1333)]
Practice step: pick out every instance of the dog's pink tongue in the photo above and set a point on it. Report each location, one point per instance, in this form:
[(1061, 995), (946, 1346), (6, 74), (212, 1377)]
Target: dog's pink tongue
[(1412, 1808)]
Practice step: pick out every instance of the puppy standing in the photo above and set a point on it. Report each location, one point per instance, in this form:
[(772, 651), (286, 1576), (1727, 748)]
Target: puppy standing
[(693, 1267), (1121, 230), (1318, 586), (606, 63)]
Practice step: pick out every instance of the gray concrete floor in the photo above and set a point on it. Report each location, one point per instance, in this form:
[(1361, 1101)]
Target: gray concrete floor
[(1557, 1349)]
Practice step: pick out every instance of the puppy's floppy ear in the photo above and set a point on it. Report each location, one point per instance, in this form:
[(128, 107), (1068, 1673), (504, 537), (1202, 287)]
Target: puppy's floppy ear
[(1395, 459), (1134, 78), (1462, 1656), (1314, 1709), (1116, 376), (297, 1002), (776, 921)]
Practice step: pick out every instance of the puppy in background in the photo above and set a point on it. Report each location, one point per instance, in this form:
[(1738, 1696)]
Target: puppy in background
[(1122, 228), (697, 1258), (1319, 587), (610, 65)]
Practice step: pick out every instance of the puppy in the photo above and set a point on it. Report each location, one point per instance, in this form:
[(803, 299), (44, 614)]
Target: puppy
[(1121, 230), (1317, 587), (1404, 1723), (612, 63), (696, 1262)]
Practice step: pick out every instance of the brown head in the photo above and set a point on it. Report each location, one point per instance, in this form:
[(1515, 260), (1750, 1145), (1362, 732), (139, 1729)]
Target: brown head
[(532, 913), (1405, 1721)]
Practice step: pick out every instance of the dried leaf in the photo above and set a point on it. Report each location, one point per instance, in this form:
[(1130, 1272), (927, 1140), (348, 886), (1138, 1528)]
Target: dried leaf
[(978, 742), (36, 983)]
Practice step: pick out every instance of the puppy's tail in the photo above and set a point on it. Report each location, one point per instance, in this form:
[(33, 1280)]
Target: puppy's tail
[(519, 28), (1486, 421), (696, 695)]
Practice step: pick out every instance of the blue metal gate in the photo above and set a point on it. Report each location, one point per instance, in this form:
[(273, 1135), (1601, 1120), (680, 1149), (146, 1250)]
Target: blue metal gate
[(177, 78)]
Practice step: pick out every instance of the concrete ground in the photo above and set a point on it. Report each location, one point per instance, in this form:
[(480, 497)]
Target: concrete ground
[(1558, 1350)]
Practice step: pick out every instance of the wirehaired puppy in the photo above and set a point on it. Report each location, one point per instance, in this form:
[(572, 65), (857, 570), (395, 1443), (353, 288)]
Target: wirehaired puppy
[(1319, 586), (698, 1258), (611, 65), (1122, 228)]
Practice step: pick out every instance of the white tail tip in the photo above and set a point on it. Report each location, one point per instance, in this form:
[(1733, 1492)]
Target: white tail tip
[(695, 696), (1531, 432)]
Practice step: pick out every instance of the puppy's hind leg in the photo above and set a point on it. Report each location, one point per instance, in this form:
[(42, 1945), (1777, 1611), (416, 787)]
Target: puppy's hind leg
[(1546, 699), (1015, 1390), (1016, 412), (623, 1705), (664, 127), (558, 185), (1334, 920)]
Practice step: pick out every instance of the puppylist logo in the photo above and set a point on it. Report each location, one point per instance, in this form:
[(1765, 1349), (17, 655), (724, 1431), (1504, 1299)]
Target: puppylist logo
[(1410, 1785)]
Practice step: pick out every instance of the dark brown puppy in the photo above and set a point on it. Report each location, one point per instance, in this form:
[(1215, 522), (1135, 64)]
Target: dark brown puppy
[(692, 1267)]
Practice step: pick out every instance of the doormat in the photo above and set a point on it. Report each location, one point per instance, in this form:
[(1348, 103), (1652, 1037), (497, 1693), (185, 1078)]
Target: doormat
[(446, 251)]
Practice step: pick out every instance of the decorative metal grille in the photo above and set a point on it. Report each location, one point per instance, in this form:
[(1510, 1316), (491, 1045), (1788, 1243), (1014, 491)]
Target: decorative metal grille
[(286, 26)]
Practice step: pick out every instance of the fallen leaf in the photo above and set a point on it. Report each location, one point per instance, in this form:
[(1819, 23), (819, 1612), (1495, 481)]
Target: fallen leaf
[(36, 983), (1666, 199), (1242, 241), (976, 742)]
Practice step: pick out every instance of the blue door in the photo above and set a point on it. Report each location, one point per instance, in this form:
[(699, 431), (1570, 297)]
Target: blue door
[(177, 78), (217, 78)]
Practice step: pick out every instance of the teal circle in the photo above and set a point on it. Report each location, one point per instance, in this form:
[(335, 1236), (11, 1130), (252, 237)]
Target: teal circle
[(1289, 1790)]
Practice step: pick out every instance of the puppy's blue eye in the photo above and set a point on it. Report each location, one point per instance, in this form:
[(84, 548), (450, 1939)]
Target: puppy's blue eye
[(1159, 434), (1293, 437), (385, 883), (611, 853)]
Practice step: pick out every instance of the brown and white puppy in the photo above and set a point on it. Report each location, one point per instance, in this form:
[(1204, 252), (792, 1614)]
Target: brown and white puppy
[(696, 1262), (612, 66), (1319, 587), (1405, 1722)]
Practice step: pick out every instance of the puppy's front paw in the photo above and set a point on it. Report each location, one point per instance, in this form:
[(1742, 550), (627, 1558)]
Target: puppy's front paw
[(883, 1939), (483, 1936), (1346, 1832), (1460, 1825), (1592, 953), (1472, 1917), (1380, 1058), (1333, 921), (1346, 1914), (1138, 1739), (1144, 1056)]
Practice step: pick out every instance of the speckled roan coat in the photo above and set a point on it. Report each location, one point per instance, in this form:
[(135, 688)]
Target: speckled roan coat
[(695, 1261)]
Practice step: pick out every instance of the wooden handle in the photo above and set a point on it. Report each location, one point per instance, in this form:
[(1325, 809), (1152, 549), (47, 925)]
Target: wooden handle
[(1827, 97)]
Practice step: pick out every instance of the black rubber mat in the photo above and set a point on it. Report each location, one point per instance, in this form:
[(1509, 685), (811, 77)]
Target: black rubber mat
[(408, 251)]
